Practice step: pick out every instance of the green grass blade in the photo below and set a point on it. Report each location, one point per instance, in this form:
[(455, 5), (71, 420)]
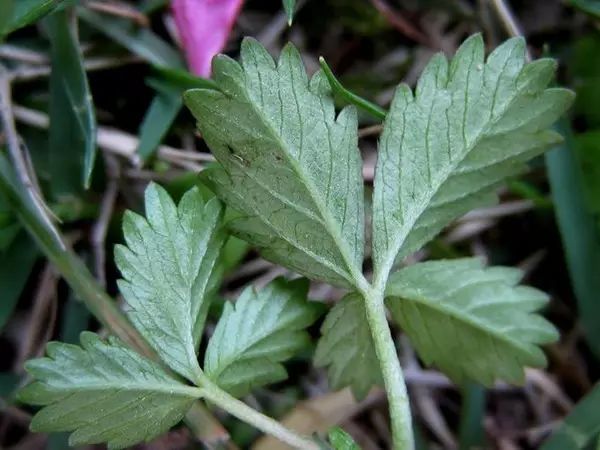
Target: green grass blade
[(590, 7), (290, 8), (23, 13), (581, 240), (7, 8), (159, 117), (16, 263), (471, 434), (165, 106), (144, 43), (183, 79), (72, 116), (141, 42), (580, 427)]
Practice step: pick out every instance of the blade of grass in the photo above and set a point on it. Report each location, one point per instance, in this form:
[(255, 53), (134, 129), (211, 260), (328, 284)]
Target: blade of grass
[(169, 85), (183, 79), (16, 263), (471, 433), (290, 7), (72, 140), (144, 43), (158, 119), (587, 153), (581, 426), (139, 41), (581, 240), (24, 12), (7, 8), (590, 7)]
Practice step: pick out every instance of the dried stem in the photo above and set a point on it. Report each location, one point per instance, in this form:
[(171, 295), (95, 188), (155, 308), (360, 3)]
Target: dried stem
[(15, 150)]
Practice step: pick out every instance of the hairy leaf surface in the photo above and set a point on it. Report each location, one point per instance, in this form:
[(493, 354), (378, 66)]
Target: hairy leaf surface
[(167, 267), (257, 333), (471, 321), (287, 163), (445, 149), (346, 348), (103, 392)]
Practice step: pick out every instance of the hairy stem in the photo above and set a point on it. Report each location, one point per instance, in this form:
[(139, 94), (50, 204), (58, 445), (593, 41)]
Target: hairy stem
[(249, 415), (393, 378)]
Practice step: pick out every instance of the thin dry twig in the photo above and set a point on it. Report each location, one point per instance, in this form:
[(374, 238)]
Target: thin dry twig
[(531, 263), (400, 23), (542, 381), (41, 322), (509, 22), (16, 414), (28, 72), (121, 143), (496, 212), (250, 268), (119, 9), (373, 130), (99, 230), (467, 230), (22, 54)]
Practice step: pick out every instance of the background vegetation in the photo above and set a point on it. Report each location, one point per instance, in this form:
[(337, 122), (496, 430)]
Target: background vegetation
[(90, 99)]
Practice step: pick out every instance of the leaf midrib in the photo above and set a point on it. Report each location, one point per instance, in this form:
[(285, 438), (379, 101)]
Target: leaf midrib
[(238, 355), (355, 273), (169, 389), (383, 272), (311, 254), (467, 319)]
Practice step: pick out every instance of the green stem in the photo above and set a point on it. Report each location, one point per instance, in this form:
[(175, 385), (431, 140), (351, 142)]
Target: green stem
[(249, 415), (393, 378), (104, 308), (364, 104)]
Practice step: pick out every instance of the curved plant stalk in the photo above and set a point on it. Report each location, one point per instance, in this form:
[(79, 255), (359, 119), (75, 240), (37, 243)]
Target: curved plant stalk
[(395, 386), (105, 310), (385, 348), (239, 409), (369, 107)]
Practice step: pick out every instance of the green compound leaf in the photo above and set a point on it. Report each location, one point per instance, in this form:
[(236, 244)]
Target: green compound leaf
[(473, 322), (167, 267), (287, 163), (104, 392), (445, 149), (346, 348), (257, 333)]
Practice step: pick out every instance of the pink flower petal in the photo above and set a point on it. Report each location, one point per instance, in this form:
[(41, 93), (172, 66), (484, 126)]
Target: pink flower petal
[(204, 26)]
